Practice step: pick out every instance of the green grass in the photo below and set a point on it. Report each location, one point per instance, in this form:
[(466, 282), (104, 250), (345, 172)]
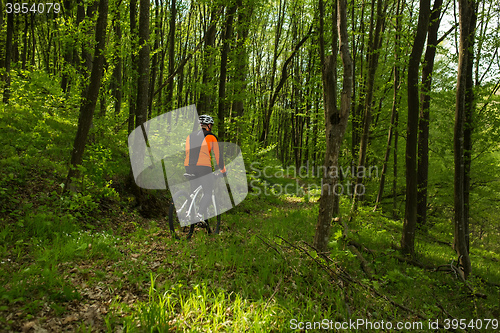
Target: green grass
[(64, 255)]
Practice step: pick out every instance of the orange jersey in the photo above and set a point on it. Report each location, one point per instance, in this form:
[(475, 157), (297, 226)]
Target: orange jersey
[(199, 146)]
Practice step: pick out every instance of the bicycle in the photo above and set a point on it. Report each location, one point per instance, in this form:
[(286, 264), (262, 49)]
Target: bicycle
[(188, 211)]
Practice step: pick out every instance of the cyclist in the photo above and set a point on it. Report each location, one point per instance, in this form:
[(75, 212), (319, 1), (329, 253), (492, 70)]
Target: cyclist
[(199, 146)]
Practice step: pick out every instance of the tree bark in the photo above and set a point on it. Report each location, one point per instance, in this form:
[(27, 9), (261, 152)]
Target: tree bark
[(423, 125), (92, 93), (374, 45), (117, 72), (241, 69), (141, 112), (357, 107), (470, 106), (134, 60), (335, 121), (171, 54), (281, 83), (395, 103), (154, 64), (25, 43), (277, 36), (410, 220), (205, 104), (223, 104), (8, 55), (464, 98)]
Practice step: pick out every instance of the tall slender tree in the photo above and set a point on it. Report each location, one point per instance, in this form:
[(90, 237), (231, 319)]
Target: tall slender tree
[(464, 99), (226, 41), (395, 102), (141, 112), (375, 43), (410, 220), (8, 56), (423, 124), (335, 119), (91, 94), (171, 53)]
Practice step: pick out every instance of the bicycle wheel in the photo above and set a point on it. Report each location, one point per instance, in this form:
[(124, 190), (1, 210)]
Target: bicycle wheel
[(174, 222)]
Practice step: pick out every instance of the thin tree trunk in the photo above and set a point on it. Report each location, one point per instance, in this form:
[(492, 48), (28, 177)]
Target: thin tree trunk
[(394, 111), (373, 55), (86, 55), (467, 10), (223, 103), (205, 104), (277, 37), (410, 221), (243, 29), (141, 112), (8, 55), (1, 15), (171, 54), (33, 40), (154, 65), (335, 121), (25, 43), (395, 168), (133, 76), (284, 76), (423, 125), (92, 93), (470, 106), (68, 50), (117, 72), (357, 107)]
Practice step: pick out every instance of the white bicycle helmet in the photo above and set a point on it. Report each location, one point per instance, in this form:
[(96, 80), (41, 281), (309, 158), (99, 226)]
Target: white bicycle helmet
[(206, 119)]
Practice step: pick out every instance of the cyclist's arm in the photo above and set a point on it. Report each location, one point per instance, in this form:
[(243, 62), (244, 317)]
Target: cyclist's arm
[(214, 145)]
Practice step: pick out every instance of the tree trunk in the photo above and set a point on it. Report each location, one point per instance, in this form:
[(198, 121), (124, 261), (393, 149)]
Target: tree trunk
[(8, 55), (171, 54), (141, 112), (410, 221), (154, 65), (423, 125), (335, 121), (223, 103), (241, 69), (86, 56), (68, 50), (277, 36), (281, 83), (117, 72), (1, 15), (205, 104), (373, 55), (25, 43), (395, 169), (395, 103), (134, 60), (463, 97), (357, 117), (33, 41), (470, 106), (92, 93)]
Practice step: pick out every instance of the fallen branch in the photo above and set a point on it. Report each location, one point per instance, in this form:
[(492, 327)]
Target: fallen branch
[(364, 263), (274, 293), (345, 276), (361, 247)]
